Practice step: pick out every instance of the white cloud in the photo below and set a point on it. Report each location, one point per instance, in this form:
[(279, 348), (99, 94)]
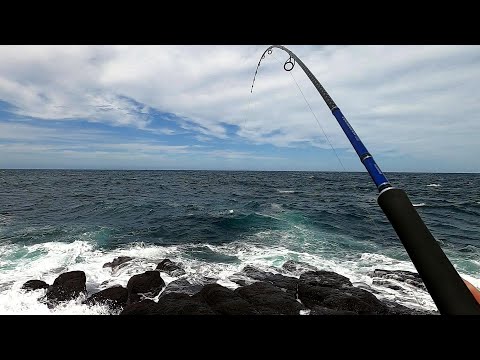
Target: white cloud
[(26, 144), (162, 131), (18, 131), (417, 100)]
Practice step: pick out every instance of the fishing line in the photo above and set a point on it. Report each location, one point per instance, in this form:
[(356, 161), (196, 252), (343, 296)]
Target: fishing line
[(289, 61), (443, 282), (369, 215), (288, 66)]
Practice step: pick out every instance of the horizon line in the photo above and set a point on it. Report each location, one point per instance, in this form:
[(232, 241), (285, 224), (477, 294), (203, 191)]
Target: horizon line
[(247, 170)]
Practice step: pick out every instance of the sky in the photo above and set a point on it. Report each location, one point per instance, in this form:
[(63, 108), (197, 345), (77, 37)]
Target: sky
[(416, 108)]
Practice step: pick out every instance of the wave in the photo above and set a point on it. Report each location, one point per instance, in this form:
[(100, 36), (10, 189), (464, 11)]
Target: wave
[(286, 191), (276, 207), (54, 258), (6, 219), (243, 223), (419, 205), (433, 185)]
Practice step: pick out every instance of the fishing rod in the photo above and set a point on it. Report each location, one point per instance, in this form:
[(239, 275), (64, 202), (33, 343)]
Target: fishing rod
[(446, 287)]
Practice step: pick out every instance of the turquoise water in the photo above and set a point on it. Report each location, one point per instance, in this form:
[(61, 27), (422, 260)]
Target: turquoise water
[(217, 222)]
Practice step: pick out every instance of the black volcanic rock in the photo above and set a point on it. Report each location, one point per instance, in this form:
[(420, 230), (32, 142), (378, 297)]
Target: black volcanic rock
[(182, 304), (149, 283), (357, 300), (115, 296), (320, 310), (269, 299), (324, 279), (35, 285), (170, 267), (254, 273), (398, 309), (334, 291), (117, 262), (316, 292), (367, 288), (298, 266), (407, 277), (314, 295), (182, 286), (225, 301), (133, 298), (67, 286), (285, 282), (387, 283), (241, 279), (144, 307)]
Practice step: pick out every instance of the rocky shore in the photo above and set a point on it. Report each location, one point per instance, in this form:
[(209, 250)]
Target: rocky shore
[(311, 292)]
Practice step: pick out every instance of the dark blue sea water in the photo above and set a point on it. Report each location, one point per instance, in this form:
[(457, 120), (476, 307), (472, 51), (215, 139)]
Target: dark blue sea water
[(217, 222)]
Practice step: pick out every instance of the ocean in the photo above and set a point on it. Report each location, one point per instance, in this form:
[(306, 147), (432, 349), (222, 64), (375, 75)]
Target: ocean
[(215, 223)]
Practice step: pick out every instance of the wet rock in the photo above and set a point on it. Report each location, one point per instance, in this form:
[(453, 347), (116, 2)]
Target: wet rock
[(324, 279), (67, 286), (357, 300), (170, 267), (182, 304), (144, 307), (149, 283), (334, 291), (312, 295), (133, 298), (207, 280), (320, 310), (387, 283), (364, 286), (298, 267), (254, 273), (407, 277), (182, 286), (115, 297), (241, 280), (225, 301), (285, 282), (269, 299), (117, 262), (31, 285), (398, 309)]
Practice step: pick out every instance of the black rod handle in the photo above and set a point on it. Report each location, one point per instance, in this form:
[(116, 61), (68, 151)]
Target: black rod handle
[(444, 284)]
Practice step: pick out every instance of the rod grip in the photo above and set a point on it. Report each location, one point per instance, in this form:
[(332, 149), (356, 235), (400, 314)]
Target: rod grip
[(444, 284)]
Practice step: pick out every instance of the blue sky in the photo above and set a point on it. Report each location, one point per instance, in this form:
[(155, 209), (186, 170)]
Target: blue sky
[(416, 108)]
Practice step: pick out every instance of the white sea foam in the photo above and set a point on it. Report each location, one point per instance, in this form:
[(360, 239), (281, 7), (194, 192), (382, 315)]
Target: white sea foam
[(358, 270), (419, 204), (267, 250), (54, 258), (434, 185), (276, 207), (286, 191)]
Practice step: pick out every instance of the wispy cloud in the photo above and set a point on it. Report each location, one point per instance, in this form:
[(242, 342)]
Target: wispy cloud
[(411, 102)]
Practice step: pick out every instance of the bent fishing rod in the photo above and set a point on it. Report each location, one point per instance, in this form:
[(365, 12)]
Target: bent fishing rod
[(446, 287)]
